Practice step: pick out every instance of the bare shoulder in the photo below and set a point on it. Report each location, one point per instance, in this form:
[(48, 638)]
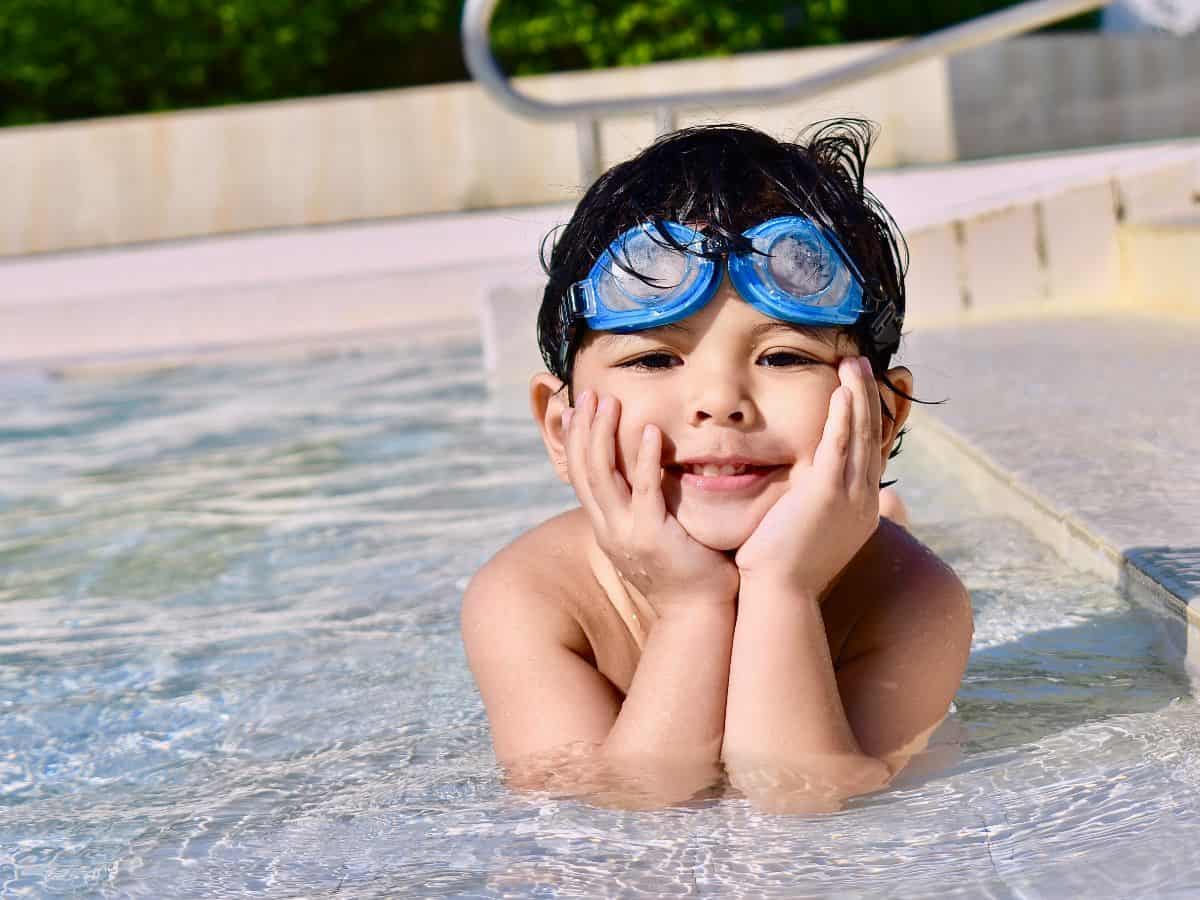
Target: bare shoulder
[(911, 645), (906, 587), (524, 587), (528, 651)]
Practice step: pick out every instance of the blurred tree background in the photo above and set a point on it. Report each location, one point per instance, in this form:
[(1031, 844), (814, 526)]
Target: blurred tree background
[(69, 59)]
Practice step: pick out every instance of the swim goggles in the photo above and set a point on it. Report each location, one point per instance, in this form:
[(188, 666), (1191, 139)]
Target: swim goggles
[(799, 274)]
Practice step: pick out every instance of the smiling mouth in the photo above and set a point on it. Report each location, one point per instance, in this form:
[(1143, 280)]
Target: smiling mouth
[(712, 470), (709, 477)]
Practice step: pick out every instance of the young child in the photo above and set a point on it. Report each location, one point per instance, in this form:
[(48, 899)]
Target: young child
[(726, 606)]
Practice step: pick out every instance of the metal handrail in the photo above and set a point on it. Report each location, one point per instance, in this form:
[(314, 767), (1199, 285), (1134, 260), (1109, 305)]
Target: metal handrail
[(477, 50)]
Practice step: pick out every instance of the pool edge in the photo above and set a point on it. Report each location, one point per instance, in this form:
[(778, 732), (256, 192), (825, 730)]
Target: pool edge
[(1072, 539)]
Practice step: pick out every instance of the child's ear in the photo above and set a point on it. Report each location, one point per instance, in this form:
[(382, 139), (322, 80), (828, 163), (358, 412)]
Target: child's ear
[(547, 400), (902, 378)]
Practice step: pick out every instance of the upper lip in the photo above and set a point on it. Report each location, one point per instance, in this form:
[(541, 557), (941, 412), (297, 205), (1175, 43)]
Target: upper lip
[(724, 461)]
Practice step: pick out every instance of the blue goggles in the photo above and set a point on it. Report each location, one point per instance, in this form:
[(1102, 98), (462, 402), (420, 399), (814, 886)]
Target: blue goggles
[(788, 268)]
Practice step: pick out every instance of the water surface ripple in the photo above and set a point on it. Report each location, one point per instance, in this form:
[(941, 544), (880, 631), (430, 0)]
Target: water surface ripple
[(230, 666)]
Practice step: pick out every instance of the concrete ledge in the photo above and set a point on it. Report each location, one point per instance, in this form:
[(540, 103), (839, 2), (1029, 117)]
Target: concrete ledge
[(1082, 250), (1002, 262), (1145, 193), (1175, 601), (72, 304), (262, 288), (1079, 232), (189, 321), (936, 280), (1075, 427), (1162, 258)]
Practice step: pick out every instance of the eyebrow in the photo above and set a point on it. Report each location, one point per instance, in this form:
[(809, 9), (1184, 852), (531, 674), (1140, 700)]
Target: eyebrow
[(825, 335)]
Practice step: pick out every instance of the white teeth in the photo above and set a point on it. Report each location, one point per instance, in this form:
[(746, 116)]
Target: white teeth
[(710, 470)]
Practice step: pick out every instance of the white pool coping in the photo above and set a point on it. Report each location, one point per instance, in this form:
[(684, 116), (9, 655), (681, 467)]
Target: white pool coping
[(277, 287)]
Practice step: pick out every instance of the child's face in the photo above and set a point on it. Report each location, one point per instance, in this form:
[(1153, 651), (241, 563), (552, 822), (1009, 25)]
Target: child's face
[(728, 381)]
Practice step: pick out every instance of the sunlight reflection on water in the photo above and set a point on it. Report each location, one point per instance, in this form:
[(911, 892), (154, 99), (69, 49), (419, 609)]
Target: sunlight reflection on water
[(229, 664)]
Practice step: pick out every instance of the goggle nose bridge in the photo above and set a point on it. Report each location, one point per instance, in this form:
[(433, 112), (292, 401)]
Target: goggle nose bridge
[(719, 245)]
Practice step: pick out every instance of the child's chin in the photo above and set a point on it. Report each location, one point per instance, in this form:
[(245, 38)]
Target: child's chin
[(718, 536)]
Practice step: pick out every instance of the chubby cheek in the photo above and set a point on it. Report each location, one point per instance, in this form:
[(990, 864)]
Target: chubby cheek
[(629, 440)]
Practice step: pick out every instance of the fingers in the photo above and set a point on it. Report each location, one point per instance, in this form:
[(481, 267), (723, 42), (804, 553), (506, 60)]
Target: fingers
[(864, 466), (862, 439), (648, 502), (608, 485), (830, 458), (849, 449), (875, 405), (578, 433), (591, 458)]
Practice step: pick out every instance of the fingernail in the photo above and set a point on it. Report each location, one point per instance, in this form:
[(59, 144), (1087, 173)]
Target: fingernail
[(585, 397), (606, 403), (567, 415), (866, 366)]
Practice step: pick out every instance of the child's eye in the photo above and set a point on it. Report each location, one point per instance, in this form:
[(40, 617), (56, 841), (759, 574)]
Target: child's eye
[(650, 361), (781, 358)]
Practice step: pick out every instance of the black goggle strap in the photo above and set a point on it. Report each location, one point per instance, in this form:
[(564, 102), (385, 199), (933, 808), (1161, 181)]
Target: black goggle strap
[(885, 329), (579, 302), (886, 323), (572, 307)]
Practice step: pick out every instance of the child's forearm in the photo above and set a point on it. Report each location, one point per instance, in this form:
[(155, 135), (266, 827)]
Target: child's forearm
[(672, 721), (785, 727)]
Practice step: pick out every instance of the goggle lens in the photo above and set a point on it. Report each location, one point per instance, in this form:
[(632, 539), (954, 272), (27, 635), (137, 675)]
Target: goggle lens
[(665, 273), (802, 267)]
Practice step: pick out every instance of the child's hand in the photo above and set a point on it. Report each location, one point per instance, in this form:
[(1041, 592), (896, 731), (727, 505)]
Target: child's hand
[(831, 507), (648, 546)]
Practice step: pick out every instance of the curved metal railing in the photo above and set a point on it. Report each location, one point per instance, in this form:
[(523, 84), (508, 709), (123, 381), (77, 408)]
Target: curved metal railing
[(477, 49)]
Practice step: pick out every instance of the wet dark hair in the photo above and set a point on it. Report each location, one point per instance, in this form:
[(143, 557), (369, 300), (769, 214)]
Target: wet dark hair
[(731, 177)]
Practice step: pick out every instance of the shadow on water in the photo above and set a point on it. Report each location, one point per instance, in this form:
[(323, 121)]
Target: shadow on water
[(1055, 650), (1052, 681)]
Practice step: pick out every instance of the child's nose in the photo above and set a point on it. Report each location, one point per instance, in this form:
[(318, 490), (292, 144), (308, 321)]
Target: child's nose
[(722, 402), (736, 415)]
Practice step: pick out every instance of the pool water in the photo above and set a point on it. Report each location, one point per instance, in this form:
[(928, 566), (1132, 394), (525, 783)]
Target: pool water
[(230, 665)]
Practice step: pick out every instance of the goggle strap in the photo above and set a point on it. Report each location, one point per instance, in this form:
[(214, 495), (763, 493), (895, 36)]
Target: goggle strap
[(885, 330), (581, 300)]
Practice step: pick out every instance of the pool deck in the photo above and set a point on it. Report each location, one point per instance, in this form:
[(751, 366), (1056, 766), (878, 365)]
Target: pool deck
[(1084, 428), (358, 278)]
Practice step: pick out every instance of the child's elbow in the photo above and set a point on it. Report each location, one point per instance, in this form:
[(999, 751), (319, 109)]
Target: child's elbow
[(820, 786), (589, 773)]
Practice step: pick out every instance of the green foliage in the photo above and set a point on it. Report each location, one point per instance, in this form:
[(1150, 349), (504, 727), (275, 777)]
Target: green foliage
[(64, 59), (547, 35)]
